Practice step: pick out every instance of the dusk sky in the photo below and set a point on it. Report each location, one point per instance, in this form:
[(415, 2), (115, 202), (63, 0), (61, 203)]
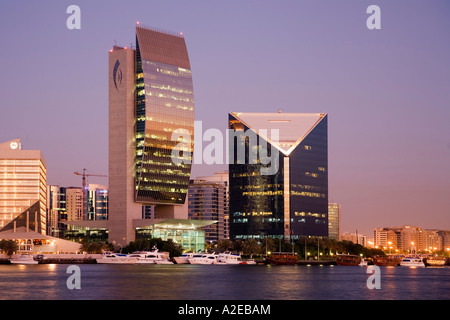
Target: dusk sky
[(387, 91)]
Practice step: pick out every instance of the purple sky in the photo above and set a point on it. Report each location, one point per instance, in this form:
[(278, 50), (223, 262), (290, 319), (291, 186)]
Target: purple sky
[(387, 92)]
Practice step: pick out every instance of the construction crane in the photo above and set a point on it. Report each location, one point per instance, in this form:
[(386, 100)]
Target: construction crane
[(84, 175)]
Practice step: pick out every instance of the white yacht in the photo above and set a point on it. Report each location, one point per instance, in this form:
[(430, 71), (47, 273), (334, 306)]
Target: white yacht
[(24, 259), (116, 258), (205, 258), (150, 257), (184, 258), (228, 258), (412, 262)]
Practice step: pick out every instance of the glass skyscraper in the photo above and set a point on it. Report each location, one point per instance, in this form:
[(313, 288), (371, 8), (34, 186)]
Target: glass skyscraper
[(151, 98), (291, 201)]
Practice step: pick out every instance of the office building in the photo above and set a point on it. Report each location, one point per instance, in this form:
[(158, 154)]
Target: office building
[(97, 202), (56, 211), (222, 223), (208, 201), (150, 98), (334, 220), (23, 187), (286, 197)]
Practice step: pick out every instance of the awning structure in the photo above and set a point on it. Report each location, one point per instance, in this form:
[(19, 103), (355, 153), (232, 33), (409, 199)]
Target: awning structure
[(34, 242)]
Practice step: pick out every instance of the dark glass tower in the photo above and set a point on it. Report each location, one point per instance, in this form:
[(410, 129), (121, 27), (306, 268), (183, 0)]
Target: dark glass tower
[(293, 201)]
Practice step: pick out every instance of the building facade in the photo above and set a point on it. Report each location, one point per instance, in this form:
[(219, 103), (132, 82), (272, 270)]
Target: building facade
[(286, 197), (151, 99), (23, 183), (334, 220), (207, 201), (97, 202), (56, 211), (411, 239)]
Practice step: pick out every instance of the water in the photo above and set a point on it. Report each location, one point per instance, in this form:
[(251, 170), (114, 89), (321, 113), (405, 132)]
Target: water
[(213, 282)]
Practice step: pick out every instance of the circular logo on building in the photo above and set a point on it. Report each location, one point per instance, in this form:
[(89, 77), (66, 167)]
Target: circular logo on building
[(14, 145)]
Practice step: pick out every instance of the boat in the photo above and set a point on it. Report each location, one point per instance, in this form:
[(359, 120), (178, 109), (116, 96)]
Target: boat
[(412, 261), (348, 260), (363, 263), (282, 258), (228, 258), (184, 258), (24, 259), (116, 258), (248, 262), (206, 258), (435, 261), (150, 257), (387, 260)]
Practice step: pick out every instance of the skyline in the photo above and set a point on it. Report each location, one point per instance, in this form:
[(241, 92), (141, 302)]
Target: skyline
[(386, 91)]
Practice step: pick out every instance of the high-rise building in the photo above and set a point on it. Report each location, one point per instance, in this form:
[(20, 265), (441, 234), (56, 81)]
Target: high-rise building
[(150, 98), (56, 211), (74, 204), (97, 202), (223, 223), (334, 218), (207, 201), (286, 197), (23, 186)]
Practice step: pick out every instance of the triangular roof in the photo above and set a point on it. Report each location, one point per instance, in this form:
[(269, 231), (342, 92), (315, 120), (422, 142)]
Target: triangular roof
[(293, 127)]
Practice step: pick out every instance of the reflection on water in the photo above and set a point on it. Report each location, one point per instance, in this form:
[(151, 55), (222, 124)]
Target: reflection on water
[(198, 282)]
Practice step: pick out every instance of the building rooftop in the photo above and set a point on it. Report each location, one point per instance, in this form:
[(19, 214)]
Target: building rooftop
[(293, 127)]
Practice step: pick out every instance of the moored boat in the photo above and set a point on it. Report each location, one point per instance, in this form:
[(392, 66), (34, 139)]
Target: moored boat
[(205, 258), (387, 260), (435, 261), (150, 257), (348, 260), (228, 258), (24, 259), (282, 258), (116, 258), (184, 258), (412, 261), (248, 262)]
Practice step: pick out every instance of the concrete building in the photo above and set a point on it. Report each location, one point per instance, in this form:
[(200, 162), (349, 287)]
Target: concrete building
[(208, 201), (23, 184)]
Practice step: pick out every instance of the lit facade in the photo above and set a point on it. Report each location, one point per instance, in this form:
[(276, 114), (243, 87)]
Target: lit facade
[(207, 201), (334, 218), (293, 201), (23, 183), (56, 210), (97, 202), (150, 97)]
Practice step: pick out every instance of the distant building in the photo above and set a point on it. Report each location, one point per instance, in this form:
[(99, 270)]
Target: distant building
[(97, 202), (354, 237), (208, 201), (23, 185), (287, 198), (56, 211), (334, 218), (411, 239), (74, 204)]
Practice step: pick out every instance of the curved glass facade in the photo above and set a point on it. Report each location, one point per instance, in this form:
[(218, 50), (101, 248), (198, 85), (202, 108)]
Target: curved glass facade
[(164, 103)]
